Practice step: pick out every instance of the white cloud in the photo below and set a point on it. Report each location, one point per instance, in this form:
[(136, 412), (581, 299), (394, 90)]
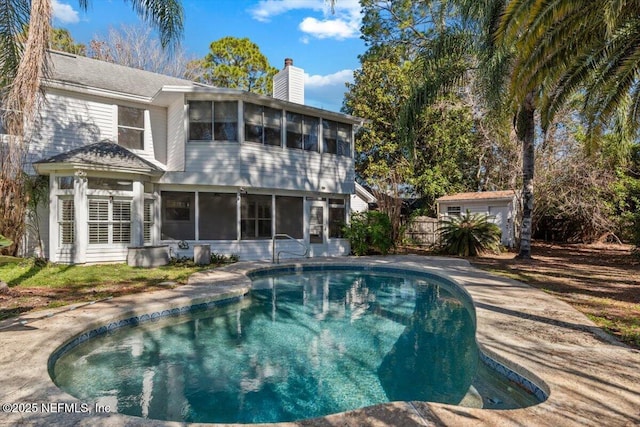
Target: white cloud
[(64, 13), (344, 22), (326, 91), (329, 28), (266, 9)]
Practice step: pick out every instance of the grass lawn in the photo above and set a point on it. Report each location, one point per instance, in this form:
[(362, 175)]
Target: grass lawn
[(602, 281), (34, 285)]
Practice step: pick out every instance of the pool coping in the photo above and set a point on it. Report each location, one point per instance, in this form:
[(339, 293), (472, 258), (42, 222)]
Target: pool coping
[(591, 378)]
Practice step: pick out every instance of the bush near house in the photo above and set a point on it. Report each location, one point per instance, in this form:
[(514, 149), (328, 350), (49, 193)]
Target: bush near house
[(469, 235), (370, 233)]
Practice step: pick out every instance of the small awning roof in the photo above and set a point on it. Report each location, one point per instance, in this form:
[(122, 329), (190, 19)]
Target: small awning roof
[(104, 156)]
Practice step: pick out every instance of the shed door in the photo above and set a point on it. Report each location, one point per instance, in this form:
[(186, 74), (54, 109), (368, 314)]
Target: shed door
[(500, 215)]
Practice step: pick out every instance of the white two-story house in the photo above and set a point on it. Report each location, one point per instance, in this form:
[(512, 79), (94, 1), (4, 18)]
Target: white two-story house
[(140, 159)]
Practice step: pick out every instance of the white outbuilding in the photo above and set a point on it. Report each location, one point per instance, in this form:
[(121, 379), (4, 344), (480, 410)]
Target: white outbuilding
[(500, 206)]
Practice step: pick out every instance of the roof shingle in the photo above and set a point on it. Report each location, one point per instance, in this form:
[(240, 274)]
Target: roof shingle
[(75, 69), (103, 154)]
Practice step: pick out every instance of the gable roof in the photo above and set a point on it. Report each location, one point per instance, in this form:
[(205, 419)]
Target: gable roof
[(479, 195), (80, 70), (364, 194), (102, 155)]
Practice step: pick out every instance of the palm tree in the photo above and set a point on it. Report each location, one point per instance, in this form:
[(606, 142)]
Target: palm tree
[(22, 67), (447, 64), (469, 234), (567, 47)]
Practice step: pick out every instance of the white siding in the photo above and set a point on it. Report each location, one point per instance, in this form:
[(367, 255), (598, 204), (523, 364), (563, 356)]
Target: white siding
[(68, 122), (106, 253), (256, 166), (261, 250), (358, 204), (502, 211), (176, 138)]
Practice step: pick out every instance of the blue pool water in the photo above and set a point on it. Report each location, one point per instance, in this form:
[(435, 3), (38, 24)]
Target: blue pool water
[(298, 346)]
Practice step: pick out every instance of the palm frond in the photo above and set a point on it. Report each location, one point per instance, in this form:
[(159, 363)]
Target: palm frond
[(14, 16), (166, 16), (442, 66)]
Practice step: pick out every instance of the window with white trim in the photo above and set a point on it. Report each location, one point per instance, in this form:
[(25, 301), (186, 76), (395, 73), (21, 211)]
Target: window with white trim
[(336, 138), (262, 124), (109, 221), (213, 121), (302, 132), (131, 127), (256, 217), (147, 224), (453, 210), (337, 217), (66, 221)]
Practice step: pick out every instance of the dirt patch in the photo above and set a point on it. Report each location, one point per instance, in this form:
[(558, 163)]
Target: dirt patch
[(600, 280)]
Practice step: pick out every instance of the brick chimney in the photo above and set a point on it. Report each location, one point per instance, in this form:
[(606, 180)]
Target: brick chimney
[(288, 84)]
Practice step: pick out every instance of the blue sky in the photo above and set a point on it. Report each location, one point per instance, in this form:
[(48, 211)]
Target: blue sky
[(326, 45)]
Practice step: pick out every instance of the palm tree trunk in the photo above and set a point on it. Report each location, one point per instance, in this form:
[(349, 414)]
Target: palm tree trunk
[(20, 104), (525, 128)]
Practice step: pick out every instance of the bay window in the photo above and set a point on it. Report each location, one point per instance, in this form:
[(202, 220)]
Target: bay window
[(109, 221)]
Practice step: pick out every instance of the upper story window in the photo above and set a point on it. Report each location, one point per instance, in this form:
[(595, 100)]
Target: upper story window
[(262, 124), (131, 127), (302, 132), (213, 121), (336, 138)]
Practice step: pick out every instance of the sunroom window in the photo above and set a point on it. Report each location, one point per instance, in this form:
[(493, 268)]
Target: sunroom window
[(336, 138), (337, 215), (262, 125), (178, 215), (302, 132), (131, 127), (256, 217), (213, 121), (217, 216)]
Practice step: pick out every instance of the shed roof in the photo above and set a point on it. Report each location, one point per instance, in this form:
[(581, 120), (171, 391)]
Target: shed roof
[(479, 195), (75, 69), (103, 154)]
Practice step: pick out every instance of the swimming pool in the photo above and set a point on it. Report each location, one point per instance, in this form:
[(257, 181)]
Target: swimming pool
[(300, 345)]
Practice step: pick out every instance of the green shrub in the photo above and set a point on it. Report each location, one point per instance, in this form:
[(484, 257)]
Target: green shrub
[(369, 232), (469, 235)]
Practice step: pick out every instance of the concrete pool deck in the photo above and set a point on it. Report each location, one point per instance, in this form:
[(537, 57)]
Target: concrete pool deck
[(591, 379)]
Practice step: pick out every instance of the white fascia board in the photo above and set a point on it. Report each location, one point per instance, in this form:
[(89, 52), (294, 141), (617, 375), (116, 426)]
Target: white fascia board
[(366, 195), (44, 168)]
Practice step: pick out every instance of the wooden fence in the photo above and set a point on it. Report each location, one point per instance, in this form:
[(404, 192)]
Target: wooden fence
[(422, 231)]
